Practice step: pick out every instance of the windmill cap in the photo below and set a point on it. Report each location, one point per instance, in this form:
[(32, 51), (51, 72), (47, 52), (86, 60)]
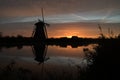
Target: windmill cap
[(39, 23)]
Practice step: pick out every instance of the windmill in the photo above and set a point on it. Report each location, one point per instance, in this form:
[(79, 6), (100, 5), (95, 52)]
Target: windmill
[(40, 31)]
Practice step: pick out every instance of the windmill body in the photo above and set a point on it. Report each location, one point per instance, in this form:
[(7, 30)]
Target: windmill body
[(39, 32)]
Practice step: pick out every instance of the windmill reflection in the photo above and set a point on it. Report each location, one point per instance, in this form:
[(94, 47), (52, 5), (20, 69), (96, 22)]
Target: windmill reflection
[(40, 51)]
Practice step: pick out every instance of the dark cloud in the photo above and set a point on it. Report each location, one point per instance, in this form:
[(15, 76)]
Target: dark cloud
[(32, 7), (83, 8)]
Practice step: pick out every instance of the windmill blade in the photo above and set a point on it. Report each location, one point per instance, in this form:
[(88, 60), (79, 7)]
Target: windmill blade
[(47, 24), (42, 14), (47, 58), (43, 17)]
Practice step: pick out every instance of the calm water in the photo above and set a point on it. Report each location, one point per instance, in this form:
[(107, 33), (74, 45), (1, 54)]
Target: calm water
[(46, 62)]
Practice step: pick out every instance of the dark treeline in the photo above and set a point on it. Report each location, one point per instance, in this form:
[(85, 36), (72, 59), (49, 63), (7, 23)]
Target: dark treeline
[(63, 41)]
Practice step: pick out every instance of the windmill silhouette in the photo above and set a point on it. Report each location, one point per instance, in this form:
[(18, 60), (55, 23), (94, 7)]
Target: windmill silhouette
[(40, 51), (40, 31)]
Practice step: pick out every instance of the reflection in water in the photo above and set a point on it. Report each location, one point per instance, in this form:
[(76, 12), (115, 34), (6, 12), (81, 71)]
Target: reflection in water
[(40, 51), (64, 64)]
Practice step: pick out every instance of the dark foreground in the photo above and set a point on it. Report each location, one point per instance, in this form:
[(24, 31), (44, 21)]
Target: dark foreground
[(105, 60)]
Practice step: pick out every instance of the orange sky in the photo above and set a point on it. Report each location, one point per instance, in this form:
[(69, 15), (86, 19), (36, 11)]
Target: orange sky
[(60, 30), (71, 29)]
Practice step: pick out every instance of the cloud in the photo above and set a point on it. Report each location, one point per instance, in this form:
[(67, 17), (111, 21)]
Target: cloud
[(67, 18), (65, 10)]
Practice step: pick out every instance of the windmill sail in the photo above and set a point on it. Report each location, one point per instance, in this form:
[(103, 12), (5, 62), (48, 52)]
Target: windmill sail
[(44, 23), (42, 15)]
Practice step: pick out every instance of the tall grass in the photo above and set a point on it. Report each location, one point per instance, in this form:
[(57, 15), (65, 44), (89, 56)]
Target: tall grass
[(110, 34)]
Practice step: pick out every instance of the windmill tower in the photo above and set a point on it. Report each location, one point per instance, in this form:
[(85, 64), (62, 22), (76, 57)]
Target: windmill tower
[(40, 32)]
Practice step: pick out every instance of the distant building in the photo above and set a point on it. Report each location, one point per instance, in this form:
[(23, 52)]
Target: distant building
[(74, 37)]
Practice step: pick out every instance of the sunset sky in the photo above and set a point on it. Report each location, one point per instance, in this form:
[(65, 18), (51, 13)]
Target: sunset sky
[(67, 17)]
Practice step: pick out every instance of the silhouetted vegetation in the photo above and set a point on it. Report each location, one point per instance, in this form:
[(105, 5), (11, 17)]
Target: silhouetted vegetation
[(13, 72), (110, 34), (106, 61)]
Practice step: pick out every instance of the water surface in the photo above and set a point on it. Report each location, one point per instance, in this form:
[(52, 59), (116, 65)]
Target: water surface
[(54, 62)]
